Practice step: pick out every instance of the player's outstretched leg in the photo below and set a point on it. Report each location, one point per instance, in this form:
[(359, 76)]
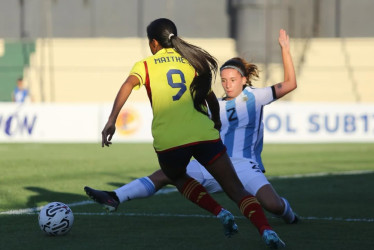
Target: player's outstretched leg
[(272, 240), (107, 199), (227, 219)]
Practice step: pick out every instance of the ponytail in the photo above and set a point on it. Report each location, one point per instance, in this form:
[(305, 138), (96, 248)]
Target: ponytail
[(205, 66), (165, 32)]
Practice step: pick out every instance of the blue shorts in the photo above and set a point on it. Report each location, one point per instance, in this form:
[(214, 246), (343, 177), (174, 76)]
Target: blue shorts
[(205, 152)]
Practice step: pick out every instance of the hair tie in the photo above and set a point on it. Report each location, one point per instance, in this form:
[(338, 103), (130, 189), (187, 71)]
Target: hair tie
[(171, 35)]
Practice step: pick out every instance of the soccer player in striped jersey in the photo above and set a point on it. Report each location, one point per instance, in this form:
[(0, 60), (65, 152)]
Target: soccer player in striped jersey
[(178, 82)]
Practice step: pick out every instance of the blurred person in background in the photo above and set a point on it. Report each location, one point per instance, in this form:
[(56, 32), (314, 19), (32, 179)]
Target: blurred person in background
[(178, 81), (20, 93)]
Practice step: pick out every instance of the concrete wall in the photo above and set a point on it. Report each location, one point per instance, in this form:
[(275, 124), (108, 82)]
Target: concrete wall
[(110, 18), (194, 18)]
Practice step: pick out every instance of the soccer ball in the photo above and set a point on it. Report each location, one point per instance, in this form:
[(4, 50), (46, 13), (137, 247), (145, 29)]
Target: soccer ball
[(56, 218)]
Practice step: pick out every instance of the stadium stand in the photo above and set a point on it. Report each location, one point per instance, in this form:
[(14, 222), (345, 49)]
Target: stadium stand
[(337, 70), (14, 57), (359, 57), (92, 70)]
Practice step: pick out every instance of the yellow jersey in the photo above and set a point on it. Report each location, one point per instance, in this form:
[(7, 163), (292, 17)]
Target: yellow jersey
[(167, 77)]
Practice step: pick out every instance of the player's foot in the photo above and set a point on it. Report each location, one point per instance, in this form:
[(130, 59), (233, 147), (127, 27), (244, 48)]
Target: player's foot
[(229, 226), (295, 220), (272, 240), (104, 198)]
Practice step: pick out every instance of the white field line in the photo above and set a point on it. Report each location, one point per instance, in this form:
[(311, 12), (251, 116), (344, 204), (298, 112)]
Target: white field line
[(35, 210), (310, 218), (236, 216), (296, 176), (75, 204)]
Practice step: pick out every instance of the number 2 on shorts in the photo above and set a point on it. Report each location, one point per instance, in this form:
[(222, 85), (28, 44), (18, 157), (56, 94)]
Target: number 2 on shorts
[(181, 85)]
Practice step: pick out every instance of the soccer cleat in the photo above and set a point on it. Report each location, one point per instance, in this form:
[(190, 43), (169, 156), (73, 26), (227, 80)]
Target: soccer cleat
[(272, 240), (229, 226), (104, 198), (295, 220)]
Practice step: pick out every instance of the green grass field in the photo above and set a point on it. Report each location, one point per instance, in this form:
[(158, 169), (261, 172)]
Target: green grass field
[(330, 186)]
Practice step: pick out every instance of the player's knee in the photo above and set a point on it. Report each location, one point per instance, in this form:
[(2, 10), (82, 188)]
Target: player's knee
[(159, 179)]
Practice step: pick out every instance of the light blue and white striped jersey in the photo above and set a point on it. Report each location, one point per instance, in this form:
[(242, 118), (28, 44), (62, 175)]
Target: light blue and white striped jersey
[(242, 128)]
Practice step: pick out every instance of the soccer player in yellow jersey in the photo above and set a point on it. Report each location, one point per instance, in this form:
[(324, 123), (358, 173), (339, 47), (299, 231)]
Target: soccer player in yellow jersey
[(167, 77), (178, 81)]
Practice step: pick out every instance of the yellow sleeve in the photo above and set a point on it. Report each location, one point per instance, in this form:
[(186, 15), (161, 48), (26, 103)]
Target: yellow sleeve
[(138, 70)]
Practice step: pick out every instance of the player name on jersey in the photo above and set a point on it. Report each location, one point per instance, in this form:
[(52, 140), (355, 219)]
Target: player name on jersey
[(166, 59)]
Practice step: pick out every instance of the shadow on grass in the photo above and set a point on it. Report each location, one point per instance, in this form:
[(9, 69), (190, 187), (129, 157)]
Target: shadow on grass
[(43, 195), (120, 184), (116, 184)]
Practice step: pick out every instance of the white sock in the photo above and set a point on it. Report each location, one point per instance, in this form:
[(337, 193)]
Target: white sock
[(288, 215), (139, 188)]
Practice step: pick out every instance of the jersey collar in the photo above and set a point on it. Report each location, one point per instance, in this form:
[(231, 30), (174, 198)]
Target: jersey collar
[(165, 50)]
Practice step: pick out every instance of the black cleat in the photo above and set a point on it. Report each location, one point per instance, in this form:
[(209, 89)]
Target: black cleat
[(104, 198), (295, 220)]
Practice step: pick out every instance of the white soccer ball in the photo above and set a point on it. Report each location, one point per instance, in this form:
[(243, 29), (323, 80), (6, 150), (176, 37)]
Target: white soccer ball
[(56, 218)]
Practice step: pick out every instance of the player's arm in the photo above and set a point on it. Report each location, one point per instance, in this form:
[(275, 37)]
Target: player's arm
[(213, 105), (289, 83), (122, 96)]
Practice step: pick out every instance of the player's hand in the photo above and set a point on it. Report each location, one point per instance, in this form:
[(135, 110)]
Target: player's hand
[(284, 39), (107, 134)]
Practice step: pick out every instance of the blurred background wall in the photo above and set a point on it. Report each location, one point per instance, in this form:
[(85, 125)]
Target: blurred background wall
[(82, 50), (194, 18)]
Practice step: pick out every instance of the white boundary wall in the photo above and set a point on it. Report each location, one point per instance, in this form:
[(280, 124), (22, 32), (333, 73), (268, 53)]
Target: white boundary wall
[(284, 122), (319, 122)]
